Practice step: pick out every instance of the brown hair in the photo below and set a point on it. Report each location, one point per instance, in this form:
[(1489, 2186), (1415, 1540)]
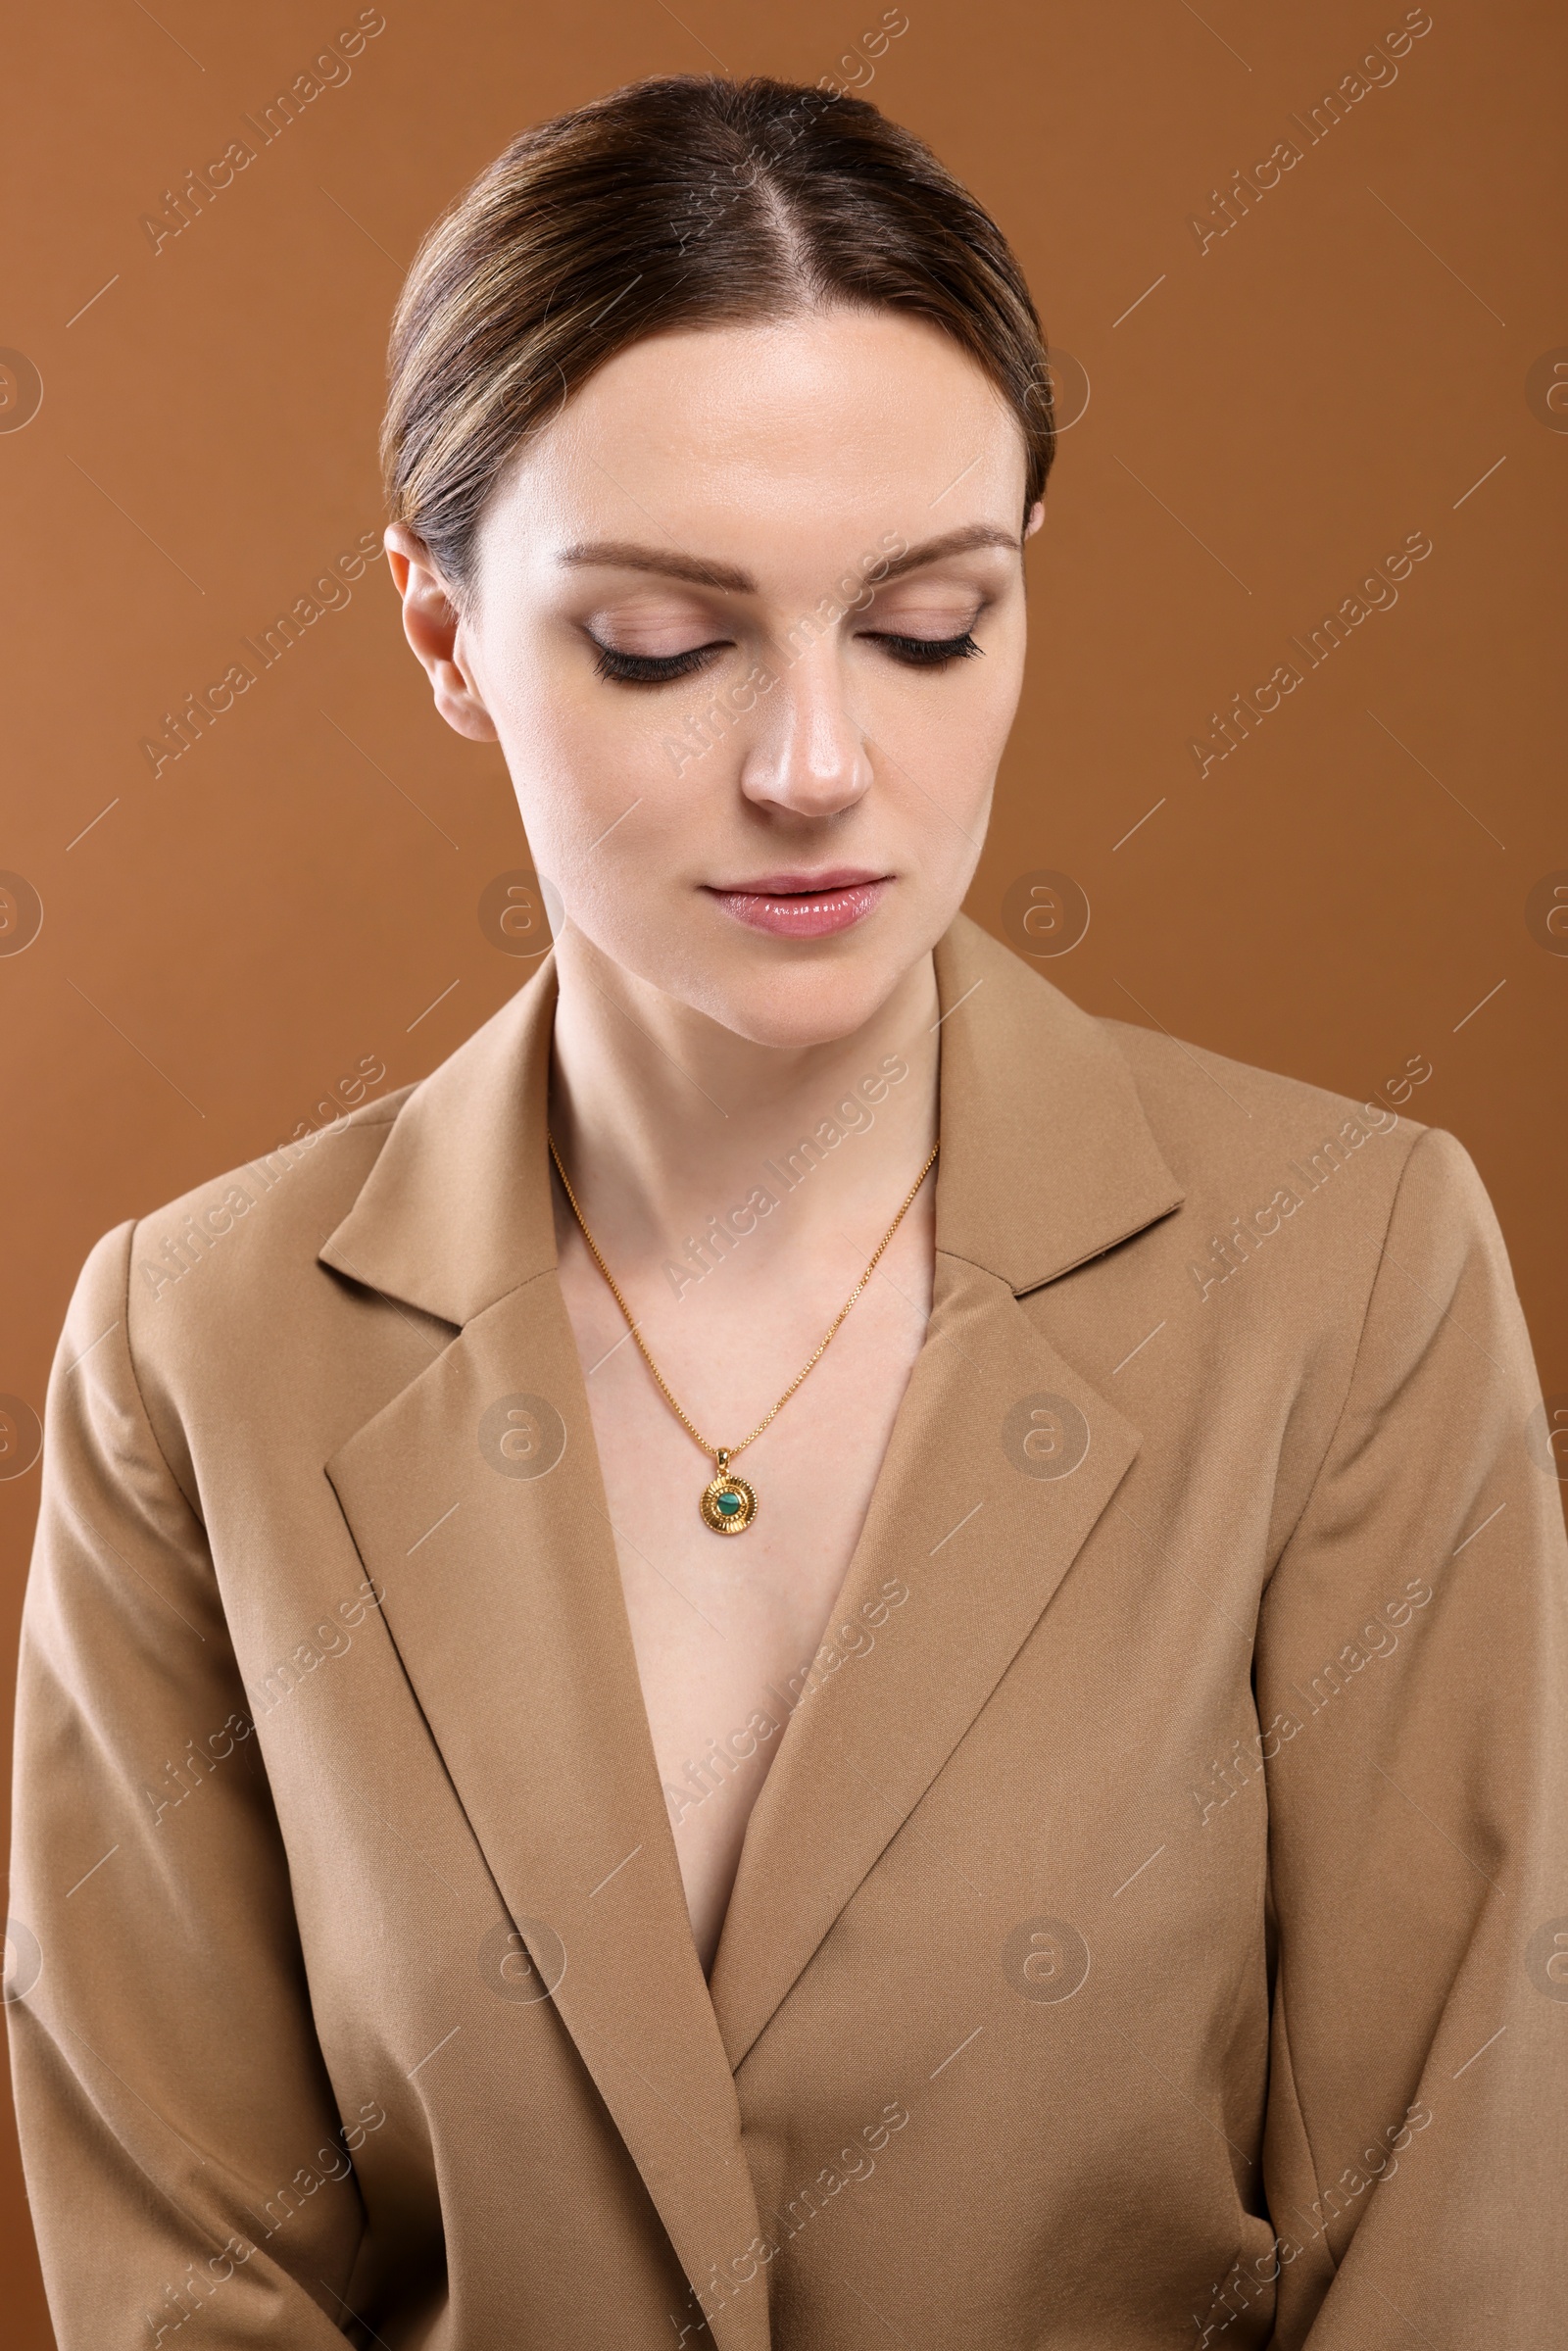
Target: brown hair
[(681, 202)]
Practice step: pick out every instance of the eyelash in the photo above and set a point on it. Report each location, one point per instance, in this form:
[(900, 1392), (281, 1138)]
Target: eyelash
[(928, 653), (649, 669)]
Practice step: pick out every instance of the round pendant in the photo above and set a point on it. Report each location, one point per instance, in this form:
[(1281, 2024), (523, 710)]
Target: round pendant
[(728, 1504)]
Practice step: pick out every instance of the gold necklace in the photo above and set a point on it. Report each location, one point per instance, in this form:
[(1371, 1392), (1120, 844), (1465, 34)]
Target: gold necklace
[(728, 1504)]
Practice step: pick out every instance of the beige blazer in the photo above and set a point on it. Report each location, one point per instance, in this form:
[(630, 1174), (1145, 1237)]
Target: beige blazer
[(1153, 1930)]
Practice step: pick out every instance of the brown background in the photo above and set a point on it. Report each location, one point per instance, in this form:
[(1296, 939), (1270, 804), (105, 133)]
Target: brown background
[(228, 939)]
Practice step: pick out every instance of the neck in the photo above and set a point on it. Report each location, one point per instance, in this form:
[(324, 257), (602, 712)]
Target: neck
[(668, 1122)]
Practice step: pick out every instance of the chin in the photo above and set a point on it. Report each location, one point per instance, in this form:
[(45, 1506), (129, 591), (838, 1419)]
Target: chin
[(792, 1004), (793, 1018), (787, 994)]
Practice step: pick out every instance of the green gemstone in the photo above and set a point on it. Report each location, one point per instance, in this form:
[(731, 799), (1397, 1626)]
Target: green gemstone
[(729, 1504)]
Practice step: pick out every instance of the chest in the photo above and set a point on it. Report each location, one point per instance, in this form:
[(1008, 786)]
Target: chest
[(725, 1628)]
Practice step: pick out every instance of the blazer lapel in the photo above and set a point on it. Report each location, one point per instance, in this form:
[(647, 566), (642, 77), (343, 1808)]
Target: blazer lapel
[(475, 1498), (1003, 1459), (475, 1501)]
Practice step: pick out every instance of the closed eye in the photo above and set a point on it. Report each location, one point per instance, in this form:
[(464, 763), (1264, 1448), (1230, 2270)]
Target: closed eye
[(650, 669), (925, 652)]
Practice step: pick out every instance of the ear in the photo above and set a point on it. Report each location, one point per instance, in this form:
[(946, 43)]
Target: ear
[(1036, 516), (432, 624)]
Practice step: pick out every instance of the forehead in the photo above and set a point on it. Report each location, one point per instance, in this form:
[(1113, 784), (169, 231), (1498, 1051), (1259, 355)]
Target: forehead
[(780, 439)]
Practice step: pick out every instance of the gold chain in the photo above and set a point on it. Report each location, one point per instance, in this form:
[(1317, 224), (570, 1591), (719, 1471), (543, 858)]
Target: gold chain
[(724, 1454)]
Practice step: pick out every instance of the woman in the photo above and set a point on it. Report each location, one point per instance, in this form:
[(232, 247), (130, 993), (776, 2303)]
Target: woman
[(539, 1824)]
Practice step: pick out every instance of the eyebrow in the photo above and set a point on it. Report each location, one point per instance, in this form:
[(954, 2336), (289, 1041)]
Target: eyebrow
[(626, 554), (952, 542)]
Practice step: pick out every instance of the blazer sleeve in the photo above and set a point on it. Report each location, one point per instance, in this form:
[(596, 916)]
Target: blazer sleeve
[(184, 2154), (1413, 1684)]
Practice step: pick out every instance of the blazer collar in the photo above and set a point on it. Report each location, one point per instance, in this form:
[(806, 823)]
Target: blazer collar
[(456, 1213), (1047, 1155)]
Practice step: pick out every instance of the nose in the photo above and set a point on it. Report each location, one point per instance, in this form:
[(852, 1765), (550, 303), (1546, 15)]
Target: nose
[(808, 758)]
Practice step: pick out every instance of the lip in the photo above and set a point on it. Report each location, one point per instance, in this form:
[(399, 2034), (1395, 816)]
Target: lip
[(804, 905)]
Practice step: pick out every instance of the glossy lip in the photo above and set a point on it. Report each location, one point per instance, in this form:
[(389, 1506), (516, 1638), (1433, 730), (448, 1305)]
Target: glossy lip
[(804, 905)]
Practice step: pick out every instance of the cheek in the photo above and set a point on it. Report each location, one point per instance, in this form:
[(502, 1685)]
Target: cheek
[(594, 765), (945, 732), (624, 796)]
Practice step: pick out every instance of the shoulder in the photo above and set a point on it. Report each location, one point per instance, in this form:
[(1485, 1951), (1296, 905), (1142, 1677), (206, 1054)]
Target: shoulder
[(1356, 1182), (201, 1286), (1223, 1122), (1121, 1111), (216, 1307), (239, 1250), (1079, 1084)]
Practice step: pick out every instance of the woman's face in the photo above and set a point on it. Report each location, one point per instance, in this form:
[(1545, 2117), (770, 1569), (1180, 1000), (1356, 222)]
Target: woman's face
[(748, 622)]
